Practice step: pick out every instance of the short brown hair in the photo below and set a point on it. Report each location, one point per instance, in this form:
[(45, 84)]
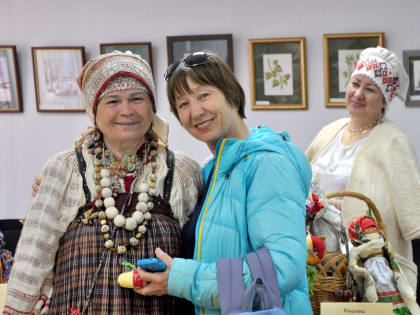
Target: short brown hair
[(213, 72)]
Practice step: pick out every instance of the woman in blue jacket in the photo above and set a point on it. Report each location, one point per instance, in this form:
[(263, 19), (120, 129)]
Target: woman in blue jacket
[(256, 186)]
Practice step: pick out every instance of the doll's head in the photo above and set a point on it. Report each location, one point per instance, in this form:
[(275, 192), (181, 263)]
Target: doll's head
[(363, 230)]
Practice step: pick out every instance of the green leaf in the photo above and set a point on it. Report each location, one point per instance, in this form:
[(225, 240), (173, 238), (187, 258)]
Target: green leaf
[(130, 265), (345, 74), (276, 83), (278, 68), (268, 75), (287, 76), (275, 61)]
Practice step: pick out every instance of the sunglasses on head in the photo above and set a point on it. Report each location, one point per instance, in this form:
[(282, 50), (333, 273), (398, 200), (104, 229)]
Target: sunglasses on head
[(191, 61)]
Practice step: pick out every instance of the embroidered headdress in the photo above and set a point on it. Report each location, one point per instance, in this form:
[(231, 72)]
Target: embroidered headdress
[(384, 68), (359, 225), (111, 72)]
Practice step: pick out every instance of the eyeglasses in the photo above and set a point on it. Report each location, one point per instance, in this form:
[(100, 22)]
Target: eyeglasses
[(191, 61)]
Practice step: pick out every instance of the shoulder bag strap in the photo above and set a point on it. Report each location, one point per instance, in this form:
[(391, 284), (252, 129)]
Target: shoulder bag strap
[(167, 186), (82, 170), (230, 284), (261, 266)]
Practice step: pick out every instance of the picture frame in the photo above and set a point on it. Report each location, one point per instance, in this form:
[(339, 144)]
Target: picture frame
[(219, 44), (10, 88), (341, 52), (55, 73), (143, 49), (411, 61), (277, 71)]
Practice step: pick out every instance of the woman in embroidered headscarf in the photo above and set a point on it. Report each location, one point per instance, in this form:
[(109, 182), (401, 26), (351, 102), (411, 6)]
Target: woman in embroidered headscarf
[(370, 155), (115, 197)]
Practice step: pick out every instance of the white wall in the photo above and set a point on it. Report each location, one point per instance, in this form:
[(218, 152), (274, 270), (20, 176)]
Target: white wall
[(29, 138)]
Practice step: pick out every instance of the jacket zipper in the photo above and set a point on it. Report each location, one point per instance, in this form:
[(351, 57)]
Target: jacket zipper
[(216, 169)]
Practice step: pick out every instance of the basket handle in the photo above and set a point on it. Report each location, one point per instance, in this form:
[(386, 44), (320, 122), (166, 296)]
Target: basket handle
[(369, 203)]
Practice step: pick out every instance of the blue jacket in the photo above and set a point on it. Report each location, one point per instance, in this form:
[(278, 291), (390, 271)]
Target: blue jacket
[(256, 198)]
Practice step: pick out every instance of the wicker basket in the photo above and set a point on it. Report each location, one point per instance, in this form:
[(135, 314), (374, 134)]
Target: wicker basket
[(332, 269)]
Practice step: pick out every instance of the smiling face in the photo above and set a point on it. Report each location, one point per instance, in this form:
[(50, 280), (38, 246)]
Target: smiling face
[(364, 99), (124, 117), (206, 114)]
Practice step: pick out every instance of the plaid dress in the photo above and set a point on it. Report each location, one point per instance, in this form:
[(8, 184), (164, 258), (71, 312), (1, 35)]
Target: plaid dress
[(79, 254)]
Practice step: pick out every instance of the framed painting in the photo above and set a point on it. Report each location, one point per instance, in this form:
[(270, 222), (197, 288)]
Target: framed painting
[(55, 72), (411, 60), (341, 52), (277, 70), (10, 89), (144, 50), (181, 46)]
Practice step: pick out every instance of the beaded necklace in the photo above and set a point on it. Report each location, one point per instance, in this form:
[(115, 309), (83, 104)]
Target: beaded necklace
[(109, 179), (363, 130)]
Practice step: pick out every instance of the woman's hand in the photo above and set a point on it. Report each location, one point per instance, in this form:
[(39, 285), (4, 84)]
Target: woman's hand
[(35, 185), (157, 282)]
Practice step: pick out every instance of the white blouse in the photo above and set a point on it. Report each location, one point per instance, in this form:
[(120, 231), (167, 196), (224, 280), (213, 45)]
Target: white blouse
[(333, 166)]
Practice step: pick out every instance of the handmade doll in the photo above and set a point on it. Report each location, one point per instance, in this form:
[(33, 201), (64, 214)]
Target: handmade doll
[(324, 219), (373, 267), (6, 260)]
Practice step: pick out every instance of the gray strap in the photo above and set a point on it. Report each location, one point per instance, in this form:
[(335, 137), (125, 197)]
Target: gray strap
[(230, 285), (261, 266)]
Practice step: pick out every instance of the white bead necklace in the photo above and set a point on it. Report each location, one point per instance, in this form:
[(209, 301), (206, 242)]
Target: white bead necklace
[(108, 188)]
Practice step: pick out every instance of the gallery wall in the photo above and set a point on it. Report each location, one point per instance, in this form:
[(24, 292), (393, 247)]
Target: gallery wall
[(27, 139)]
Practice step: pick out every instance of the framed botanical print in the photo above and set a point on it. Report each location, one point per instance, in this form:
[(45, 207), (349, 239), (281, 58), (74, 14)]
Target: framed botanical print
[(55, 72), (10, 90), (411, 59), (341, 52), (182, 46), (277, 69), (144, 49)]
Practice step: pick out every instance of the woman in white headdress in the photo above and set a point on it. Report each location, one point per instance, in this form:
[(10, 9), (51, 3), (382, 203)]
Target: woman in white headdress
[(369, 154)]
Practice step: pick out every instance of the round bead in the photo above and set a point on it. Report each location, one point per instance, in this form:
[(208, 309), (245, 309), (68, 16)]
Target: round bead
[(154, 164), (97, 176), (147, 216), (106, 192), (134, 241), (144, 197), (138, 216), (107, 236), (102, 215), (130, 224), (152, 192), (153, 177), (119, 220), (121, 250), (105, 228), (144, 187), (142, 229), (111, 212), (99, 203), (96, 161), (138, 235), (142, 207), (109, 244), (106, 182), (98, 150), (150, 205), (109, 202), (105, 172)]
